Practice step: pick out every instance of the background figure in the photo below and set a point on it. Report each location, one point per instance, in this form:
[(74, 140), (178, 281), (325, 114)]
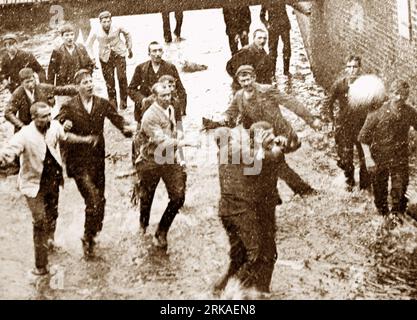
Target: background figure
[(386, 148), (279, 26), (255, 56), (15, 60), (167, 26), (348, 123), (237, 22), (112, 52), (147, 74)]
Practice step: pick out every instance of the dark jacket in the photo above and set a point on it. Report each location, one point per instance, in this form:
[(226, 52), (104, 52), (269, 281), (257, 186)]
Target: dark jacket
[(386, 132), (63, 65), (9, 69), (79, 156), (237, 20), (20, 104), (141, 85), (265, 106), (255, 57)]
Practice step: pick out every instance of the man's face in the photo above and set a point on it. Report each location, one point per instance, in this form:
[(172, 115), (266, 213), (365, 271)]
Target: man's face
[(68, 38), (259, 39), (262, 135), (171, 85), (11, 47), (86, 86), (353, 68), (401, 95), (156, 52), (246, 81), (29, 84), (164, 97), (106, 23), (43, 119)]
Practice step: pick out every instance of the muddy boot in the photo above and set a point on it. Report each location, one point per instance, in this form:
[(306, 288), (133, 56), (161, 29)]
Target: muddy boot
[(350, 180), (160, 240), (365, 180), (88, 247), (286, 66)]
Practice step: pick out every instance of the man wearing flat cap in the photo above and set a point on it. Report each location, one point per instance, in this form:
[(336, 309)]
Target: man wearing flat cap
[(112, 54), (17, 111), (13, 61), (261, 102)]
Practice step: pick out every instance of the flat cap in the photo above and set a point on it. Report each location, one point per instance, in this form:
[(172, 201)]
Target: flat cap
[(25, 73), (245, 69), (9, 36), (104, 14)]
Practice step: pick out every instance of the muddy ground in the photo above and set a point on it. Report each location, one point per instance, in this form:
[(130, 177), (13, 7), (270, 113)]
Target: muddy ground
[(329, 246)]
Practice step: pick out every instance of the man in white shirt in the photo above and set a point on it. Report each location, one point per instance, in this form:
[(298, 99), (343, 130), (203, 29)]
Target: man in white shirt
[(40, 176), (112, 53), (157, 160)]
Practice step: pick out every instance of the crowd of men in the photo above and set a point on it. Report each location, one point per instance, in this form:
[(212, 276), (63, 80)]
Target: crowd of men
[(377, 127)]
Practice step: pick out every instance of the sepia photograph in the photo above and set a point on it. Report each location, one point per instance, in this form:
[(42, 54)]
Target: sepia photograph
[(208, 150)]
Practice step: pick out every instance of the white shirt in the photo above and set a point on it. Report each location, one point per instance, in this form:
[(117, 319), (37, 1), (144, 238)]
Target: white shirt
[(31, 95), (31, 145), (88, 105)]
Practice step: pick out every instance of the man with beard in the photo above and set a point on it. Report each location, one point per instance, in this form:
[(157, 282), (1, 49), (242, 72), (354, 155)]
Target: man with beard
[(237, 22), (84, 115), (40, 176), (255, 56), (112, 53), (15, 60), (259, 102), (147, 74), (348, 123)]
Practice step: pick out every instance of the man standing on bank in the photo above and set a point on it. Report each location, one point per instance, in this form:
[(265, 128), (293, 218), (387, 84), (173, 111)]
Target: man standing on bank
[(237, 22), (112, 53), (40, 174), (158, 159), (279, 26), (148, 73), (84, 115), (167, 26), (15, 60)]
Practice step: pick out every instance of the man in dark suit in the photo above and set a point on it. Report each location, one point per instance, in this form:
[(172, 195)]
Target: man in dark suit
[(84, 115), (148, 73), (255, 56), (15, 60), (166, 25), (68, 59), (237, 22), (279, 26), (17, 110)]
